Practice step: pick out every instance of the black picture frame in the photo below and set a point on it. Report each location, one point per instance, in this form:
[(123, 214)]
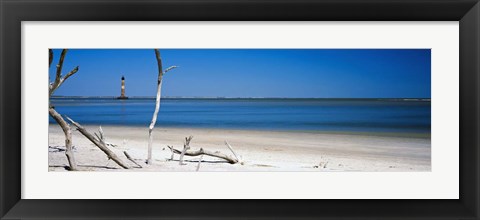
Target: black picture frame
[(13, 12)]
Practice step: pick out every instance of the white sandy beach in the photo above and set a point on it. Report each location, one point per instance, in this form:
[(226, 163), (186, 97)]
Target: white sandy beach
[(260, 150)]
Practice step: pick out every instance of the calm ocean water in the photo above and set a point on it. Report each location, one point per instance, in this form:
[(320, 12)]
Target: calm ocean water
[(344, 115)]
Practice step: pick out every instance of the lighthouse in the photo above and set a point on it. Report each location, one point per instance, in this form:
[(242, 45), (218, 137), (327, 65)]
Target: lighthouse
[(122, 92)]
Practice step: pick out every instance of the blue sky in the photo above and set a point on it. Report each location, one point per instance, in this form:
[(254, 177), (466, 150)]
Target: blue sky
[(293, 73)]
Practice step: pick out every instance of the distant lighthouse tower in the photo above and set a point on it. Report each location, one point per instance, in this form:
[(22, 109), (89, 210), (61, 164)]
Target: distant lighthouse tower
[(122, 93)]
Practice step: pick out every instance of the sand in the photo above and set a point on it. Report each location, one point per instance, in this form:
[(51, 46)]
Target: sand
[(260, 150)]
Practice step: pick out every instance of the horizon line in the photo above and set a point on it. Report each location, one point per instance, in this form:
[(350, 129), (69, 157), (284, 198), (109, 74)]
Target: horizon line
[(221, 97)]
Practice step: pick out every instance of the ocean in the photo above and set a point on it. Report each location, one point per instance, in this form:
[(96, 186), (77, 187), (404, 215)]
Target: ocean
[(330, 115)]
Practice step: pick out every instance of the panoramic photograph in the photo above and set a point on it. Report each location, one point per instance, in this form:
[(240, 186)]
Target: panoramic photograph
[(239, 110)]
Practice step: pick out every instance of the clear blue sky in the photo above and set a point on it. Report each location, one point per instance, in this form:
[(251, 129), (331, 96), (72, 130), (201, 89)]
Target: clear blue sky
[(302, 73)]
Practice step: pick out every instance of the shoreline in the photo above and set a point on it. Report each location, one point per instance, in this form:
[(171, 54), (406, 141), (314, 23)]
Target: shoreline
[(361, 133), (261, 150)]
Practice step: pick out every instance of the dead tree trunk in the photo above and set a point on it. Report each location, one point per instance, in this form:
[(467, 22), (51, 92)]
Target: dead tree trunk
[(100, 144), (68, 138), (55, 115), (157, 104)]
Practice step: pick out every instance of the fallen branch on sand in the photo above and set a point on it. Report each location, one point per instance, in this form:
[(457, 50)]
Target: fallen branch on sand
[(100, 143), (201, 151), (187, 152), (131, 159), (239, 159)]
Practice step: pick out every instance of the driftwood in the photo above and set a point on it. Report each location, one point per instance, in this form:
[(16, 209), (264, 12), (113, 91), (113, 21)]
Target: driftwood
[(131, 159), (58, 76), (100, 144), (201, 151), (239, 158), (187, 152), (157, 103), (101, 137), (186, 146), (54, 114), (68, 138), (171, 157), (199, 162)]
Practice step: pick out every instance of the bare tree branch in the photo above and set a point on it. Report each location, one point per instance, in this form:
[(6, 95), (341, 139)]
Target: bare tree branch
[(101, 137), (170, 68), (59, 80), (54, 87), (58, 75), (70, 73), (234, 154), (100, 131), (66, 77), (50, 57), (231, 149)]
